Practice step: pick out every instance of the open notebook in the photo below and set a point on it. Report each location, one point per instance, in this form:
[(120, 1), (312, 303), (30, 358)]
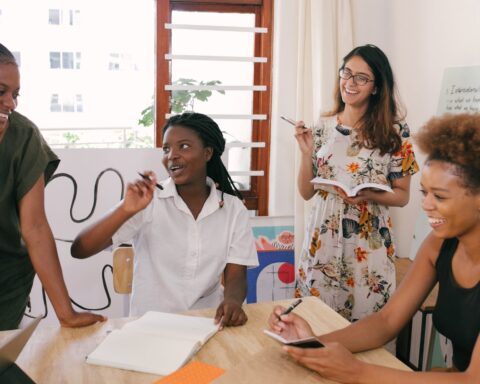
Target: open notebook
[(157, 343)]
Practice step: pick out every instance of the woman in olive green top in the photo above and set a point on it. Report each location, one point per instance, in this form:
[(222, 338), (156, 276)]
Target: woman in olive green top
[(26, 241)]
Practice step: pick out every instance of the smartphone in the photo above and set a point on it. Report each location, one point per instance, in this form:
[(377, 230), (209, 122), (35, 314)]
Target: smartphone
[(311, 342)]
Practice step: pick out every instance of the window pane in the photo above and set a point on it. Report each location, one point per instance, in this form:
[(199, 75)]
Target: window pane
[(67, 60), (54, 59), (227, 43), (78, 57), (108, 113), (54, 16), (54, 105), (79, 103)]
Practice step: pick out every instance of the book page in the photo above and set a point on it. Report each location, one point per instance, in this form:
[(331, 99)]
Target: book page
[(380, 187), (143, 352), (320, 182), (179, 326)]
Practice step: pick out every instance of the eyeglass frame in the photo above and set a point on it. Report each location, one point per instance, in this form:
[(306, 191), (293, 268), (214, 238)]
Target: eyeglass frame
[(354, 77)]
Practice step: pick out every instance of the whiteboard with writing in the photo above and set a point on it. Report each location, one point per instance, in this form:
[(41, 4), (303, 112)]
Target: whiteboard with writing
[(460, 93)]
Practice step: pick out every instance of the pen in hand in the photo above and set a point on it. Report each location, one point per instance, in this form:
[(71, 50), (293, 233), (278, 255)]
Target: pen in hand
[(145, 177), (291, 121), (290, 308)]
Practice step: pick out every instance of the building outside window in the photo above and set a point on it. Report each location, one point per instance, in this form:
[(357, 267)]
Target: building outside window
[(68, 17), (66, 103)]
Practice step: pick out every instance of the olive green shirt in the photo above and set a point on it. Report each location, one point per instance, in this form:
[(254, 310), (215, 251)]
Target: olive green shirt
[(24, 157)]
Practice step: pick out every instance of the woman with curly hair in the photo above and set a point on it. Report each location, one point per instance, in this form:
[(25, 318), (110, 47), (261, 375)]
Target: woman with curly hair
[(348, 254), (450, 255)]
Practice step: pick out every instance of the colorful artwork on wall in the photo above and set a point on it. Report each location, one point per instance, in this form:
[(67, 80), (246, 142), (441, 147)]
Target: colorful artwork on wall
[(274, 278)]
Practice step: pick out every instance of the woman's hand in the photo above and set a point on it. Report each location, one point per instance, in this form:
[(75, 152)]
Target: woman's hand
[(360, 197), (291, 326), (304, 138), (140, 193), (230, 313), (333, 362), (80, 319)]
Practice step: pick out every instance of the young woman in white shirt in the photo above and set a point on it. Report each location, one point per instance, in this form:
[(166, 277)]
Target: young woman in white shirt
[(186, 235)]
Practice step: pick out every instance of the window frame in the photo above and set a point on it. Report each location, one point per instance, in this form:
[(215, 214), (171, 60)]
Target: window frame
[(256, 198)]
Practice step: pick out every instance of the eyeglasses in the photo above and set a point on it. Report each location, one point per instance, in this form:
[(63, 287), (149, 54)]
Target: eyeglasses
[(357, 79)]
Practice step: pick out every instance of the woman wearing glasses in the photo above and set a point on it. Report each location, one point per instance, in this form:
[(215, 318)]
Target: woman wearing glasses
[(348, 253)]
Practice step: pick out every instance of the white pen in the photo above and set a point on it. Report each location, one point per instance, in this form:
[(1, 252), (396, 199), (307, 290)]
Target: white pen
[(291, 121)]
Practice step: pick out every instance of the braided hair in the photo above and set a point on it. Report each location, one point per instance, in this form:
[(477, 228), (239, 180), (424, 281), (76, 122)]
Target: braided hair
[(6, 57), (211, 136)]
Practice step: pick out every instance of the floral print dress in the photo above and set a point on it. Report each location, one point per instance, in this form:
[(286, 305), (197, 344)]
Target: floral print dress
[(347, 258)]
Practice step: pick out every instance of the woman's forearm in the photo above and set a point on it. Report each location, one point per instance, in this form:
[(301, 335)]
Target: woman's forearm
[(370, 374), (371, 332), (98, 236), (235, 283), (43, 254), (399, 197), (305, 174)]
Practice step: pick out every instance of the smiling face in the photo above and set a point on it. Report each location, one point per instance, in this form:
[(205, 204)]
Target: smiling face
[(353, 94), (452, 210), (9, 88), (184, 155)]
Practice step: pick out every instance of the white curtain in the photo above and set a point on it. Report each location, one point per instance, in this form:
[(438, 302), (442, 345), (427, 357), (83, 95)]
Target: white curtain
[(325, 36)]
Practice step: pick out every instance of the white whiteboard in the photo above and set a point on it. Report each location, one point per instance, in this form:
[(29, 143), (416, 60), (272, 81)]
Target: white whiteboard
[(83, 277), (460, 93)]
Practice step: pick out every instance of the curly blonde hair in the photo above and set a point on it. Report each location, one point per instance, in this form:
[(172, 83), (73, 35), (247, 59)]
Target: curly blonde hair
[(454, 139)]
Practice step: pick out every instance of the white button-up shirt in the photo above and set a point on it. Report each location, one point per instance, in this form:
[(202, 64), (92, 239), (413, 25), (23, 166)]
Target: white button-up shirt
[(179, 260)]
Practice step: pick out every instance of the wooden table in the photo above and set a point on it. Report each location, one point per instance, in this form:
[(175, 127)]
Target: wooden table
[(57, 355)]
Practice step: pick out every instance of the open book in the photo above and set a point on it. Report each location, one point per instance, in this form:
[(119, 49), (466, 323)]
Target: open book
[(309, 342), (157, 343), (327, 184)]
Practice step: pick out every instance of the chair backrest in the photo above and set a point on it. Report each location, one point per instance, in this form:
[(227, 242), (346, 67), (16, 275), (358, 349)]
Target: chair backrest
[(123, 269)]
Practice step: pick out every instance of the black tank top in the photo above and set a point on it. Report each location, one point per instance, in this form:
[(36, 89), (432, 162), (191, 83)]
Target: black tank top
[(457, 312)]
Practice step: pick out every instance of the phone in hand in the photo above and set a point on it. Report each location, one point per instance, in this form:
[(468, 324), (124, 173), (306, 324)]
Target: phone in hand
[(308, 342)]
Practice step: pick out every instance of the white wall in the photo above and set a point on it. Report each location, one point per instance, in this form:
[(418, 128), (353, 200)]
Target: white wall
[(421, 39)]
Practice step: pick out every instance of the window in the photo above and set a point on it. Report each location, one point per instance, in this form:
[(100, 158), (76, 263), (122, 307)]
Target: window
[(65, 60), (73, 16), (54, 60), (121, 62), (63, 17), (66, 103), (223, 47), (54, 16), (54, 104)]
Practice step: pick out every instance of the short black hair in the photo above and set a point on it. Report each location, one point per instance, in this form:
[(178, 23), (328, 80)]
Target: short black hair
[(6, 57)]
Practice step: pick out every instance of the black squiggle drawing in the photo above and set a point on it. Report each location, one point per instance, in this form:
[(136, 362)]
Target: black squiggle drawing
[(95, 192), (44, 298)]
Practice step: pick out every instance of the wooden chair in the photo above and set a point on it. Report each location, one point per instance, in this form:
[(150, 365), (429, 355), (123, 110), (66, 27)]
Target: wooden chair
[(123, 269), (402, 266)]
